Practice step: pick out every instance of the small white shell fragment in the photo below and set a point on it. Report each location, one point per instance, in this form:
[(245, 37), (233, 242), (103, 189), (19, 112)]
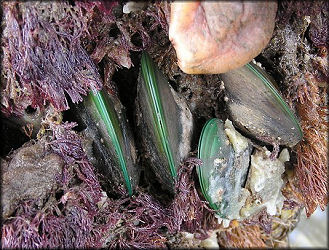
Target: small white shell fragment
[(239, 142), (132, 6), (307, 19), (188, 240), (225, 222), (188, 235), (214, 191), (218, 161), (103, 200), (284, 155), (222, 85), (210, 242)]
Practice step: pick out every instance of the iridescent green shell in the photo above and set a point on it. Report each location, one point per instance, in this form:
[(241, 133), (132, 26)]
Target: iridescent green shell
[(224, 171), (164, 123), (113, 148)]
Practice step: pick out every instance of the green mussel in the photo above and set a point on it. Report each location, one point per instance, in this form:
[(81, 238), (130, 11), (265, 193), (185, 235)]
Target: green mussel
[(254, 105), (112, 148), (236, 179), (225, 166), (164, 122)]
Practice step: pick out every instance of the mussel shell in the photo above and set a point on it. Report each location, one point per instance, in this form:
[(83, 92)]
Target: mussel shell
[(224, 170), (113, 147), (256, 106), (164, 123)]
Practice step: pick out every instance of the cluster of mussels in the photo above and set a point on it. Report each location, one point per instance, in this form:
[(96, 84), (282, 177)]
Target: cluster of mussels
[(238, 177)]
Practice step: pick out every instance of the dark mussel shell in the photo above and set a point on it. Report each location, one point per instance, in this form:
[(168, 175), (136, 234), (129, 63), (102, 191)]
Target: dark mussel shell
[(113, 147), (164, 122), (256, 106)]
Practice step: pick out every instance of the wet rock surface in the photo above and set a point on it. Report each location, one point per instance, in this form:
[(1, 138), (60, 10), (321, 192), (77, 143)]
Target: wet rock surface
[(29, 174), (222, 35)]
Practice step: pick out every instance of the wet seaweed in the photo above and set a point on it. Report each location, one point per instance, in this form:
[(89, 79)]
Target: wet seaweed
[(68, 221), (42, 64), (242, 237), (307, 89), (83, 216), (262, 219), (145, 221), (304, 68), (85, 34), (312, 154), (317, 11)]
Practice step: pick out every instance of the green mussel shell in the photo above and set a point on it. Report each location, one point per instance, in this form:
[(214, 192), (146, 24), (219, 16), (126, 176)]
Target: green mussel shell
[(164, 122), (224, 170), (256, 106), (112, 142)]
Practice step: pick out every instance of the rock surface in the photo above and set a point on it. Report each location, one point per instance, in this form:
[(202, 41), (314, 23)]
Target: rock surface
[(30, 174), (215, 37)]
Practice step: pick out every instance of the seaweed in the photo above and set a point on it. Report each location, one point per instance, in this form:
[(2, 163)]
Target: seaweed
[(307, 90), (57, 64), (189, 211), (42, 64), (317, 11), (145, 221), (242, 237), (302, 62), (67, 221), (312, 153), (51, 51), (106, 7), (262, 219), (81, 215)]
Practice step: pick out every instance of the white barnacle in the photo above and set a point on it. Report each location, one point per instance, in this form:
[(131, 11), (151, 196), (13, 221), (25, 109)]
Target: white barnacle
[(222, 85)]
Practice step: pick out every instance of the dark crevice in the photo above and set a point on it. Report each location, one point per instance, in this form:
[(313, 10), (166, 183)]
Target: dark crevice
[(126, 82), (198, 124), (71, 2), (11, 137), (173, 85), (71, 115), (114, 31), (29, 110), (137, 40)]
